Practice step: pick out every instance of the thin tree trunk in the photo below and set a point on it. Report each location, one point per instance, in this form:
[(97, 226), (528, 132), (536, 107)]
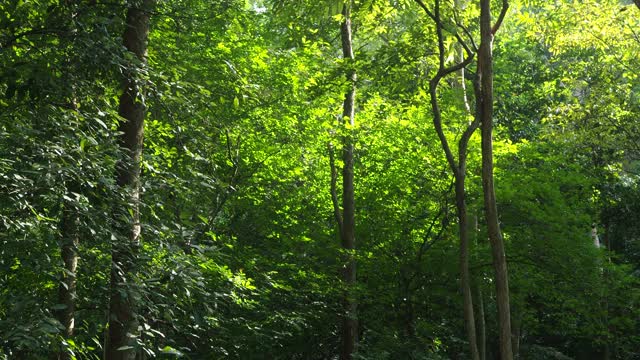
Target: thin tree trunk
[(485, 102), (350, 307), (67, 287), (69, 234), (465, 276), (606, 354), (69, 228), (517, 334), (458, 168), (461, 6), (482, 329), (120, 344)]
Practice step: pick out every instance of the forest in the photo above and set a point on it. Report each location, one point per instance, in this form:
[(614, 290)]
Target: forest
[(320, 179)]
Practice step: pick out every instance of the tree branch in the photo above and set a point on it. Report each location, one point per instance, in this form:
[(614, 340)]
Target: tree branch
[(426, 244), (426, 9), (9, 41), (503, 12), (464, 142), (443, 71), (466, 31)]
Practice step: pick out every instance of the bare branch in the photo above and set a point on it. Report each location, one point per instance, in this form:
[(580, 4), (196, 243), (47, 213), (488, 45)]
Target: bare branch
[(464, 143), (440, 35), (466, 31), (468, 50), (446, 71), (503, 12), (437, 123), (444, 223), (443, 71), (11, 40), (426, 9), (426, 244)]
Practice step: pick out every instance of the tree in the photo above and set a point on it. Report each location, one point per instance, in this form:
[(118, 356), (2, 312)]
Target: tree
[(346, 218), (458, 167), (121, 340), (69, 224), (236, 201), (484, 102)]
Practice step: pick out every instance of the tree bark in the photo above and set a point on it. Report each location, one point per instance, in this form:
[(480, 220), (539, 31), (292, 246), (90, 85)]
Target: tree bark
[(481, 326), (517, 334), (482, 330), (458, 168), (122, 332), (485, 103), (67, 286), (465, 276), (347, 234), (461, 5), (69, 225)]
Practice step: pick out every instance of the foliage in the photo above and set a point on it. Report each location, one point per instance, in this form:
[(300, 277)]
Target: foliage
[(240, 252)]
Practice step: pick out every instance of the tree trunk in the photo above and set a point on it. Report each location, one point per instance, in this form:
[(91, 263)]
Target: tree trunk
[(517, 334), (481, 327), (458, 168), (347, 235), (461, 5), (69, 226), (120, 343), (482, 330), (67, 287), (465, 277), (485, 102)]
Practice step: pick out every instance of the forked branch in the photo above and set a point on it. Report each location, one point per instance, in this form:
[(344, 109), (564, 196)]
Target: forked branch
[(444, 71)]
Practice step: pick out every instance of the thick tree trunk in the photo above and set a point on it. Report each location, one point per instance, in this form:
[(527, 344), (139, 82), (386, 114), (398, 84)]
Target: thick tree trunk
[(120, 344), (347, 235), (485, 102)]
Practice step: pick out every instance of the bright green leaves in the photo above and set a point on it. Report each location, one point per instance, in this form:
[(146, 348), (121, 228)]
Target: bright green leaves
[(240, 258)]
